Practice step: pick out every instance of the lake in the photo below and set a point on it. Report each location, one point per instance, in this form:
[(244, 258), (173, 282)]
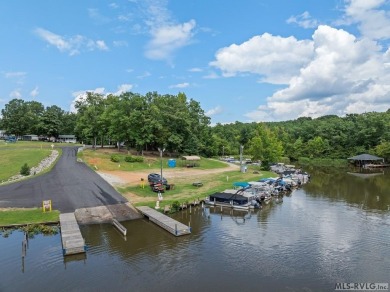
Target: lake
[(334, 229)]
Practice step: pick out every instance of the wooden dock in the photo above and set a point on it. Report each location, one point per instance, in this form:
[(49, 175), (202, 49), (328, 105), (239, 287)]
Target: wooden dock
[(169, 224), (72, 240)]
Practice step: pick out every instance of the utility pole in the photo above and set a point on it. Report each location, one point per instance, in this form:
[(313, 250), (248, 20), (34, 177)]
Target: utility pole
[(161, 153), (241, 165)]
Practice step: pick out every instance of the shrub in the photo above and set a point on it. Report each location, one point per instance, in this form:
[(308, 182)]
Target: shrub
[(25, 170), (176, 206), (115, 158), (134, 159)]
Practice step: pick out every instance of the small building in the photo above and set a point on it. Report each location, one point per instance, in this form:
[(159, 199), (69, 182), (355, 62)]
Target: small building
[(190, 161), (2, 134), (67, 138), (30, 138), (366, 160)]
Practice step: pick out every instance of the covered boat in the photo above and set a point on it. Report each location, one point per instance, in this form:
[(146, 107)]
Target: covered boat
[(232, 200)]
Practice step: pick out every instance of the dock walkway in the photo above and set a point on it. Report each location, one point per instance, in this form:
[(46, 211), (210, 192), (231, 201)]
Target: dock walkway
[(169, 224), (72, 240)]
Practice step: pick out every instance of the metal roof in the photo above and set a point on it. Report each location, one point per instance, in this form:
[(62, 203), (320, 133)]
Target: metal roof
[(365, 157)]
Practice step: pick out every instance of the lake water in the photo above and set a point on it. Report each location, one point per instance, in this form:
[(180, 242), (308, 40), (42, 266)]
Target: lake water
[(334, 229)]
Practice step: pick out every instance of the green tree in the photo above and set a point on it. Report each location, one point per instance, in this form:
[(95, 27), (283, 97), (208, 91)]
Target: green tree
[(265, 146)]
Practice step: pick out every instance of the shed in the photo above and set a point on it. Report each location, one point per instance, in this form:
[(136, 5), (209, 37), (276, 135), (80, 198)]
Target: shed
[(364, 159), (190, 161)]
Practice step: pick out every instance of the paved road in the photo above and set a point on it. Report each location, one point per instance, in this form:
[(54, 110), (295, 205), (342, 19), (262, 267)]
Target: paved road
[(70, 185)]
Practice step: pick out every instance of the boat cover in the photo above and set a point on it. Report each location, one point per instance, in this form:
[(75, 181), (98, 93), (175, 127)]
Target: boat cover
[(226, 198)]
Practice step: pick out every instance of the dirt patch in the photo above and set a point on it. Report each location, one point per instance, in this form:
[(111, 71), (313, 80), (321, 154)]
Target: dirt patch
[(120, 178)]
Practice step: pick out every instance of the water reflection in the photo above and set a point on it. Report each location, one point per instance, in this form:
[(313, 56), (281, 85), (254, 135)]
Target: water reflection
[(318, 236), (365, 190)]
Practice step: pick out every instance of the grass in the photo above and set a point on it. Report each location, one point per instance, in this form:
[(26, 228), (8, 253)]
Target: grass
[(184, 191), (27, 216), (13, 159), (100, 159), (32, 144)]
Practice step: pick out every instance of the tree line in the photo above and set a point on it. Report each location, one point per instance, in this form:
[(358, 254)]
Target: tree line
[(179, 125)]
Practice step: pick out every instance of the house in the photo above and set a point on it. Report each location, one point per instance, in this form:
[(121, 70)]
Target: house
[(30, 138), (67, 138)]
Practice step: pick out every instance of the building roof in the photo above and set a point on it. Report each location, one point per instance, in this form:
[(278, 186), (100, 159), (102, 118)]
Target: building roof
[(365, 157)]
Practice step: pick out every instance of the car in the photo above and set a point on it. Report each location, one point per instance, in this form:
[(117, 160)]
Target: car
[(154, 178)]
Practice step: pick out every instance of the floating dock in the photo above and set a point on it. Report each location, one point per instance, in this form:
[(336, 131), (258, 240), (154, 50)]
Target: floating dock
[(169, 224), (72, 240)]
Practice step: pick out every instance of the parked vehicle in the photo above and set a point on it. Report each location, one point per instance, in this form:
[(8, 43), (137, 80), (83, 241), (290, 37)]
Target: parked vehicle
[(155, 178)]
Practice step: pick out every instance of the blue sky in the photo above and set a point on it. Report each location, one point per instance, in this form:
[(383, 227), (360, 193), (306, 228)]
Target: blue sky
[(242, 60)]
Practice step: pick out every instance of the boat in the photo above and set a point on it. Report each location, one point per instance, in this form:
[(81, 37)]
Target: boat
[(236, 200)]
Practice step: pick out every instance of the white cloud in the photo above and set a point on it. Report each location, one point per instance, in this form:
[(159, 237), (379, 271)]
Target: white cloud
[(373, 22), (214, 111), (113, 5), (14, 74), (15, 94), (303, 20), (167, 39), (94, 14), (144, 75), (180, 85), (344, 75), (120, 44), (123, 88), (195, 70), (34, 92), (275, 58), (71, 45), (211, 75)]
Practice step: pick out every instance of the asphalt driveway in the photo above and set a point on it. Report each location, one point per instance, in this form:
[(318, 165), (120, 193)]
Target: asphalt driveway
[(70, 185)]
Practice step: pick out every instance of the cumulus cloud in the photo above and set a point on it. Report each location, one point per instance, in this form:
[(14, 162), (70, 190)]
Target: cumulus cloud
[(123, 88), (344, 75), (34, 92), (214, 111), (180, 85), (373, 22), (72, 45), (303, 20), (167, 39), (275, 58)]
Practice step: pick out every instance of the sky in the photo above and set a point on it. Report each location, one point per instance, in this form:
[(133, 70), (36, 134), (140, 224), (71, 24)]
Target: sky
[(249, 60)]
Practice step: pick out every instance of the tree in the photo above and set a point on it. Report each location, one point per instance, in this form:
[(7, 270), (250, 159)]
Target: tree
[(89, 122), (265, 146)]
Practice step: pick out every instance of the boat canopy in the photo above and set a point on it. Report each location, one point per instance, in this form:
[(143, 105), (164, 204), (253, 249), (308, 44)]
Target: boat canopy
[(226, 198)]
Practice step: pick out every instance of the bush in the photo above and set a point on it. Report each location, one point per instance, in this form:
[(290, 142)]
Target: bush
[(25, 170), (134, 159), (115, 158), (176, 206)]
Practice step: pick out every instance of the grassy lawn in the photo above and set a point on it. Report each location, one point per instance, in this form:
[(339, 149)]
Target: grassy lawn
[(27, 216), (184, 191), (100, 159), (12, 159), (32, 144)]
